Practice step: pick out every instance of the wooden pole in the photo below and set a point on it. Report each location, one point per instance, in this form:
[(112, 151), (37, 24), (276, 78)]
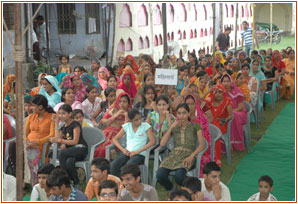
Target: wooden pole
[(164, 28), (236, 24), (213, 8), (20, 104), (253, 26), (271, 25)]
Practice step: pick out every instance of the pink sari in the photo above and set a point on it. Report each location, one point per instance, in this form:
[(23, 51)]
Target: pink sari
[(240, 118), (202, 119)]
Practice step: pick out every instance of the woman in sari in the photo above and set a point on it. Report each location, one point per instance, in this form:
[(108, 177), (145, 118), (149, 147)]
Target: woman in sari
[(251, 82), (221, 109), (10, 102), (130, 60), (51, 90), (261, 60), (256, 72), (242, 56), (289, 77), (114, 118), (242, 86), (219, 57), (79, 89), (278, 63), (112, 83), (239, 112), (36, 90), (8, 84), (67, 97), (128, 85), (197, 115), (128, 69), (89, 80), (103, 75), (203, 87)]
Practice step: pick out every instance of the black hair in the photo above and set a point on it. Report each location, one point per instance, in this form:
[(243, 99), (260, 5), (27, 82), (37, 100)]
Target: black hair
[(95, 60), (184, 67), (268, 57), (145, 57), (262, 51), (192, 183), (255, 52), (110, 69), (27, 99), (63, 93), (228, 29), (194, 56), (132, 113), (267, 179), (108, 184), (188, 97), (238, 75), (245, 65), (109, 90), (41, 100), (230, 72), (227, 62), (183, 105), (163, 98), (201, 50), (180, 193), (147, 75), (208, 55), (112, 76), (132, 169), (244, 22), (199, 65), (40, 18), (58, 177), (192, 85), (289, 47), (66, 56), (127, 97), (90, 88), (201, 73), (67, 108), (145, 90), (220, 65), (210, 166), (248, 60), (76, 111), (46, 168), (101, 163), (81, 68), (291, 50), (255, 60), (180, 59), (115, 67)]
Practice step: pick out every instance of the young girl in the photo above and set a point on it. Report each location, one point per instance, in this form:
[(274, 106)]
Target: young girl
[(78, 115), (137, 135), (160, 119), (72, 144), (64, 67), (182, 157), (148, 102), (92, 103)]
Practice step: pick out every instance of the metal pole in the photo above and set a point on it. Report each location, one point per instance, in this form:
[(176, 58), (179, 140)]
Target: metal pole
[(213, 8), (164, 26), (236, 24), (271, 25), (20, 106), (253, 26), (47, 31), (108, 38)]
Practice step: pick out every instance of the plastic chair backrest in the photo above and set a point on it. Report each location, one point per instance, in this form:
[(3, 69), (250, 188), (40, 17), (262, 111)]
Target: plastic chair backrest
[(170, 144), (12, 122), (92, 136), (215, 132), (248, 107)]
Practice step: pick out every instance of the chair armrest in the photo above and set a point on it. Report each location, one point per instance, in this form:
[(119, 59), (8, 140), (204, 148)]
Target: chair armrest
[(108, 151), (92, 150), (55, 154), (147, 157), (10, 140)]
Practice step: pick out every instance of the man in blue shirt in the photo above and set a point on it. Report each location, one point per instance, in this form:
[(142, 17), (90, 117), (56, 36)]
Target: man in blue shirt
[(247, 37), (60, 188)]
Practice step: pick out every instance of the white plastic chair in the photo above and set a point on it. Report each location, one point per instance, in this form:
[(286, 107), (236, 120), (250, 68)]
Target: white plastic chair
[(271, 93), (227, 140), (246, 127), (215, 135), (9, 141)]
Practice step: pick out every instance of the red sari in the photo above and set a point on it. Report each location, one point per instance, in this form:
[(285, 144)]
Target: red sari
[(132, 90), (219, 111), (112, 130)]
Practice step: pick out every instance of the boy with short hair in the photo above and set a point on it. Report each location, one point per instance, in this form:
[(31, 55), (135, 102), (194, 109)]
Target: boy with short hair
[(193, 186), (180, 195), (41, 191), (60, 188), (265, 187), (108, 191), (135, 190), (211, 184), (100, 169)]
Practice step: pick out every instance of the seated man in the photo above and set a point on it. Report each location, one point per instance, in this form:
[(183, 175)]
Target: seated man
[(211, 184), (100, 169), (60, 188), (193, 186), (108, 191), (180, 195), (135, 190)]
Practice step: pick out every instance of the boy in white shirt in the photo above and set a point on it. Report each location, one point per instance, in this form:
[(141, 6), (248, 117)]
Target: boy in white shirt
[(211, 184), (265, 187)]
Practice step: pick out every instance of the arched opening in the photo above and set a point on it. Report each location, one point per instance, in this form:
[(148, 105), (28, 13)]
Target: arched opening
[(121, 46), (250, 10), (179, 35), (232, 27), (157, 15), (168, 37), (160, 39), (227, 11), (155, 41), (125, 17), (195, 33), (202, 33), (195, 12), (146, 42), (210, 31), (143, 16), (232, 44), (242, 11), (128, 46), (141, 43), (191, 34), (232, 11), (180, 53), (205, 33), (171, 19), (184, 35), (246, 11), (194, 51), (205, 11), (183, 17), (172, 36), (207, 50)]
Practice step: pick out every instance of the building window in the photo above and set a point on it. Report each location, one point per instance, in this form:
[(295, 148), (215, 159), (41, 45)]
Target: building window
[(8, 14), (195, 34), (184, 35), (155, 41), (205, 33), (172, 36), (242, 11), (157, 15), (146, 43), (202, 33), (191, 34), (179, 35), (66, 19), (171, 16), (128, 46), (141, 43), (121, 46), (168, 37), (227, 11), (160, 39), (205, 11), (92, 18), (143, 16), (183, 17), (232, 11), (246, 11), (125, 17), (196, 13)]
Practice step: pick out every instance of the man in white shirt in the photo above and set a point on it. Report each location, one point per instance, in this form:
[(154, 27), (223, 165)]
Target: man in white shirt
[(211, 184), (9, 187)]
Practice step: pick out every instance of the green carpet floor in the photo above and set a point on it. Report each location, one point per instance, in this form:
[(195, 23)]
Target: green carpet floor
[(274, 155)]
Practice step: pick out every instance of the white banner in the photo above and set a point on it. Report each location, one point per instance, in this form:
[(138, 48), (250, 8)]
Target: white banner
[(166, 76)]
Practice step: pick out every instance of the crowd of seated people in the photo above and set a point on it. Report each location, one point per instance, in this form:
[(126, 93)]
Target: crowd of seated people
[(124, 102)]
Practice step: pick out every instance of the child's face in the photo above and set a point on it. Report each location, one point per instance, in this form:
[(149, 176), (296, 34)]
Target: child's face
[(191, 104), (64, 116), (147, 70), (268, 62), (64, 60), (69, 96), (245, 71), (78, 71), (182, 114), (112, 83), (229, 56), (27, 108), (149, 95), (192, 70), (162, 106), (240, 80), (180, 198), (76, 81), (203, 83), (111, 97), (185, 72), (221, 70), (255, 66), (123, 103), (204, 62), (79, 117), (180, 63), (94, 65), (126, 80), (42, 180), (137, 120), (97, 174), (201, 54), (264, 188), (149, 81), (92, 94), (253, 56)]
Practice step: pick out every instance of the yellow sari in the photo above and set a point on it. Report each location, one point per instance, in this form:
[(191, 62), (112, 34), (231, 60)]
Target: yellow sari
[(290, 79)]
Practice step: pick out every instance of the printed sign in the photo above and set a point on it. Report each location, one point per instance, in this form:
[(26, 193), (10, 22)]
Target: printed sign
[(166, 76)]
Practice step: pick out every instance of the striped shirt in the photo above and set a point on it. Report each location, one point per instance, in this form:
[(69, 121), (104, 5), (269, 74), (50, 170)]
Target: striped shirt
[(247, 35)]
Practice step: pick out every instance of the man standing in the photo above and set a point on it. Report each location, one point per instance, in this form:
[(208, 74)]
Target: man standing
[(223, 40), (247, 37), (41, 34)]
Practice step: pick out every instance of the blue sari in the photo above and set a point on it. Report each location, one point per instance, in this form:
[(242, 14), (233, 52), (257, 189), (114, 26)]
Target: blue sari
[(55, 98)]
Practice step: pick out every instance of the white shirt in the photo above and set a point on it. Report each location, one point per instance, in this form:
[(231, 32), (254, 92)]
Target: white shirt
[(256, 197), (225, 192), (39, 193), (9, 188)]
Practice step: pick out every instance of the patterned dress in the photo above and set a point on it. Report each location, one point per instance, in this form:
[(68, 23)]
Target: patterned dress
[(184, 144), (159, 129)]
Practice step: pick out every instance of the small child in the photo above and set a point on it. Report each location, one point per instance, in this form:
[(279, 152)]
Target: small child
[(78, 115), (265, 187), (64, 67), (180, 195), (40, 191)]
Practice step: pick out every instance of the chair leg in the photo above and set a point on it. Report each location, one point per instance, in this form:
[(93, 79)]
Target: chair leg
[(228, 150), (272, 100)]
